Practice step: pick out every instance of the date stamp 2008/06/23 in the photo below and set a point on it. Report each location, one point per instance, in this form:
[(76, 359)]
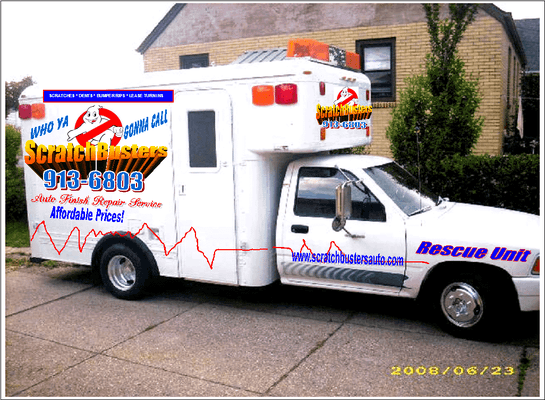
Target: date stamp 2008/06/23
[(450, 370)]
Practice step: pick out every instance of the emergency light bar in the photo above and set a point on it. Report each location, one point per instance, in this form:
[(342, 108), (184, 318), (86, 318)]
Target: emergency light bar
[(323, 52)]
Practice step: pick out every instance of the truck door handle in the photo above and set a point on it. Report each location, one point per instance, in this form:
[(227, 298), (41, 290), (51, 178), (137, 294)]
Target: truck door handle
[(299, 229)]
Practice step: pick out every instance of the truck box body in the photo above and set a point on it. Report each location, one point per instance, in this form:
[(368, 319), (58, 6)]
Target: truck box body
[(208, 206)]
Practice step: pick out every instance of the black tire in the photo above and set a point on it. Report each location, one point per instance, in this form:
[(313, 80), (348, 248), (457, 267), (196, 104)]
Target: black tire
[(124, 272), (467, 306)]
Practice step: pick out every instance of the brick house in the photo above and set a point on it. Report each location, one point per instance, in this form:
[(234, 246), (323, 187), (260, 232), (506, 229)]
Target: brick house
[(197, 34)]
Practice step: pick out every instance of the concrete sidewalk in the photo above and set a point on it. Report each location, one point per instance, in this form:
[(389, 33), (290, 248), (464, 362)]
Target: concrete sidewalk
[(67, 337)]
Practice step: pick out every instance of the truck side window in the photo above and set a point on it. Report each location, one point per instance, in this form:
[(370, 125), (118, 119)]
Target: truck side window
[(202, 139), (316, 195)]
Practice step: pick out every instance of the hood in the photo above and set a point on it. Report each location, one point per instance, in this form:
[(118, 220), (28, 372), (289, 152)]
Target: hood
[(483, 225)]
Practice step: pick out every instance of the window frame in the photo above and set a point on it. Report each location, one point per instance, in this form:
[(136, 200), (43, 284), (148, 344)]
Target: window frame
[(194, 147), (192, 58), (352, 176), (385, 42)]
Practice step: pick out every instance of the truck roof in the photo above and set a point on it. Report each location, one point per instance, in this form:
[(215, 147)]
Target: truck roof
[(353, 160), (218, 74)]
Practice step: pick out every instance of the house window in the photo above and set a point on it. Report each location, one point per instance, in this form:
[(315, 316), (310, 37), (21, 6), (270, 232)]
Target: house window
[(194, 61), (378, 63)]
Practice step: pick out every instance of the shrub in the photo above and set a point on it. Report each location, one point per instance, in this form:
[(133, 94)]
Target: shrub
[(15, 184), (498, 181)]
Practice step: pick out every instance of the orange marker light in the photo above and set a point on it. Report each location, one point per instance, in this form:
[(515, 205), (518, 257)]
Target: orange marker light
[(535, 269), (263, 95), (38, 110)]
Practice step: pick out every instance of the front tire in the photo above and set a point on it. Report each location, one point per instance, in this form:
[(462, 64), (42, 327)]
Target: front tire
[(466, 306), (124, 272)]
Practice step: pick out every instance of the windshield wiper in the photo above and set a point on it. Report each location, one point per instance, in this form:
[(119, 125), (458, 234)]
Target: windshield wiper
[(423, 209)]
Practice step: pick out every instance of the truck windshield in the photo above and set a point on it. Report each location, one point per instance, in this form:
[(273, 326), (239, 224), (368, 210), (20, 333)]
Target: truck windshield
[(402, 188)]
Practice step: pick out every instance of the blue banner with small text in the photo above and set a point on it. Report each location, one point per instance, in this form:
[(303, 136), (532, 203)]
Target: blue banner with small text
[(108, 96)]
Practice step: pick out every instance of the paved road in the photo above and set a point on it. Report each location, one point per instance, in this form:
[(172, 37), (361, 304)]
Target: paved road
[(68, 337)]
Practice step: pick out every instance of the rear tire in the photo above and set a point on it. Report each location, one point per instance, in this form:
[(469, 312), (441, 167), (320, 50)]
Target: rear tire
[(124, 272)]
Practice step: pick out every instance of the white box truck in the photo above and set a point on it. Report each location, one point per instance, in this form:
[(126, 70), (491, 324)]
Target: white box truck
[(223, 175)]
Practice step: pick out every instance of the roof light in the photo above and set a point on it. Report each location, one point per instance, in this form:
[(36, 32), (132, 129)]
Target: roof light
[(25, 111), (353, 60), (285, 93), (308, 48), (324, 52), (263, 95)]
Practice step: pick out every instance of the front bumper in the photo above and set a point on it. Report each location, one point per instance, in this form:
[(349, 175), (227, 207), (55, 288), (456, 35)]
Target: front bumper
[(528, 292)]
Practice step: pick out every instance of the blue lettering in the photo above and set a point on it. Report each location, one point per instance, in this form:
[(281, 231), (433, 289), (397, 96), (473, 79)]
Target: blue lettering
[(424, 247), (34, 132), (457, 251), (497, 253), (446, 250), (435, 249), (43, 129), (469, 251), (481, 252)]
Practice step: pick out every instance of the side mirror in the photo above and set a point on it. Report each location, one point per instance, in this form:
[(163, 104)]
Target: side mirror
[(343, 206)]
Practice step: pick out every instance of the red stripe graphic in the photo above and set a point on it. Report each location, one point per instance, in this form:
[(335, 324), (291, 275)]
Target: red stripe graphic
[(167, 252)]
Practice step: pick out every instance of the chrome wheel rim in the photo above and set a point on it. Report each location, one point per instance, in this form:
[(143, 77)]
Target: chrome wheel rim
[(462, 304), (121, 272)]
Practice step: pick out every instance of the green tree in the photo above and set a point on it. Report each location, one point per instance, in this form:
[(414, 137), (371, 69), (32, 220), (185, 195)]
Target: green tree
[(14, 90), (435, 117)]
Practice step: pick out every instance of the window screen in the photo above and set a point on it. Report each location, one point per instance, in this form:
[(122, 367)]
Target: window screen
[(202, 139), (316, 195)]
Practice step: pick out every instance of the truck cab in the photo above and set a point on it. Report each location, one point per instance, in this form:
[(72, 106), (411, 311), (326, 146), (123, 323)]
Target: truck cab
[(396, 238)]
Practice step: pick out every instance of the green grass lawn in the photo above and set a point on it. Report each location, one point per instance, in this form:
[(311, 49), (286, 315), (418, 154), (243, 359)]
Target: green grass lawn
[(17, 234)]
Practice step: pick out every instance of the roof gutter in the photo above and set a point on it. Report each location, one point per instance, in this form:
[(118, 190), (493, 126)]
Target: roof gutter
[(506, 19)]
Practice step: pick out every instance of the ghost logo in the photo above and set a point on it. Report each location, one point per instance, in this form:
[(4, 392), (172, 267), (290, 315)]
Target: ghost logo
[(346, 97), (97, 125)]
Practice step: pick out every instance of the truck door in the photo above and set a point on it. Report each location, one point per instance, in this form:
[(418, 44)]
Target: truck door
[(204, 188), (372, 260)]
